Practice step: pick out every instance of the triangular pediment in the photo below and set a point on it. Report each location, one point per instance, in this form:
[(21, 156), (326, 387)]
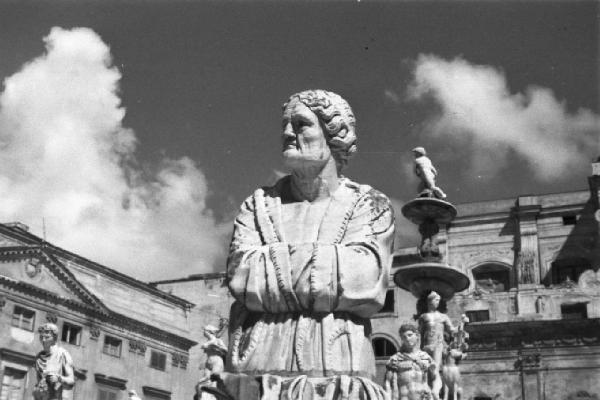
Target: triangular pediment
[(34, 270)]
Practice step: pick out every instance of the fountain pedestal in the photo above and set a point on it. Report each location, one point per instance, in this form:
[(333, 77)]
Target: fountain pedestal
[(431, 274)]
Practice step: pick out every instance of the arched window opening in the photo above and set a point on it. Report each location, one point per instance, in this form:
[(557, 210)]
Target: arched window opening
[(568, 269), (492, 277), (383, 347)]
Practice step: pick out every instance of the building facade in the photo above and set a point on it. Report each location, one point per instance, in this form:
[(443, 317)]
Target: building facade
[(534, 299), (123, 334)]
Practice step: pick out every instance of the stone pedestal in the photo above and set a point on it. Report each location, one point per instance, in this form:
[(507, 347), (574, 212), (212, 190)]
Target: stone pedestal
[(432, 274)]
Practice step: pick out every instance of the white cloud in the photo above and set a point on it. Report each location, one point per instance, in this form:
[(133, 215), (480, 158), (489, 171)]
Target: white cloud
[(67, 158), (477, 109)]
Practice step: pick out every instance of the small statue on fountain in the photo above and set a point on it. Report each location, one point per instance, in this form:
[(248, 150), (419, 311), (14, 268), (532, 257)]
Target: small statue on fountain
[(54, 368), (425, 170), (432, 326), (409, 370), (453, 354), (215, 350)]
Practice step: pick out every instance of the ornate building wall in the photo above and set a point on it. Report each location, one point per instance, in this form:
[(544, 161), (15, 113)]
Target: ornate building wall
[(534, 299), (122, 334)]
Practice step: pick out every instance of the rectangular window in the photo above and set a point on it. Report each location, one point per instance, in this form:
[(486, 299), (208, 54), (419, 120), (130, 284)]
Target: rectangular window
[(105, 394), (23, 318), (112, 346), (478, 315), (574, 311), (71, 334), (13, 384), (569, 219), (158, 360)]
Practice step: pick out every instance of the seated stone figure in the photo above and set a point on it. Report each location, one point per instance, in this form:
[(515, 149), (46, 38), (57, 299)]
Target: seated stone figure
[(309, 263), (409, 370)]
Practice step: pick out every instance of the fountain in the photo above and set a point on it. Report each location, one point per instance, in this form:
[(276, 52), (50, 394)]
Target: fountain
[(432, 279)]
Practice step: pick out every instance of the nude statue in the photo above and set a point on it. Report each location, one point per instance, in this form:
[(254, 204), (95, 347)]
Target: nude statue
[(432, 326), (309, 259), (53, 367), (215, 351), (409, 370), (425, 170)]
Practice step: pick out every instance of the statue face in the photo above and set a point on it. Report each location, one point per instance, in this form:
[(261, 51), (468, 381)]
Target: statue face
[(410, 339), (303, 139), (47, 338), (434, 303)]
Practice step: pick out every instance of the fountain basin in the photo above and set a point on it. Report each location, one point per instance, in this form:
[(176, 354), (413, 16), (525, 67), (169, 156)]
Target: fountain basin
[(421, 278)]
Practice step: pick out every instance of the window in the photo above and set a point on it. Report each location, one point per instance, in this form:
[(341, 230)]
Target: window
[(389, 303), (478, 315), (107, 394), (574, 311), (568, 269), (23, 318), (158, 360), (112, 346), (71, 334), (13, 384), (383, 347), (569, 219), (492, 278)]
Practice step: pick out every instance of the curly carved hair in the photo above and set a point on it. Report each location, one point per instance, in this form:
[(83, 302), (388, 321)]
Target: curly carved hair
[(337, 119)]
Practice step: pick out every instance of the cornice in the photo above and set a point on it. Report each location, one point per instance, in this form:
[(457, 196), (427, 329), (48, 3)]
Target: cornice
[(155, 392), (111, 381), (518, 335), (16, 356), (110, 317)]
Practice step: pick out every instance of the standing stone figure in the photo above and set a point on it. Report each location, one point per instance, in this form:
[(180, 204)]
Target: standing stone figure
[(409, 370), (425, 170), (432, 326), (54, 368), (215, 351), (309, 263), (454, 353)]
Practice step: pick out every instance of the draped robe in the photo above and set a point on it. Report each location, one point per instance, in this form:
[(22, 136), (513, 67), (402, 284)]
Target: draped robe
[(306, 278)]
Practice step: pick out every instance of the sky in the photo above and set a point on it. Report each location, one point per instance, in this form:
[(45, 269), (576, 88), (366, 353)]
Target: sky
[(133, 130)]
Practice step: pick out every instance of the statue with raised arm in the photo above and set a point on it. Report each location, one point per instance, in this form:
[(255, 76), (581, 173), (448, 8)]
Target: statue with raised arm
[(215, 351), (425, 170), (433, 325), (53, 367), (409, 371), (308, 265)]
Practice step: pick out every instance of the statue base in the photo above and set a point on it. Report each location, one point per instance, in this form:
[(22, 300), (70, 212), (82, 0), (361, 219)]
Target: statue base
[(232, 386), (423, 209), (422, 278)]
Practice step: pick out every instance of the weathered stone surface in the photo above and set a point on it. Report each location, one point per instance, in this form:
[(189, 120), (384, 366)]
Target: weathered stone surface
[(309, 263)]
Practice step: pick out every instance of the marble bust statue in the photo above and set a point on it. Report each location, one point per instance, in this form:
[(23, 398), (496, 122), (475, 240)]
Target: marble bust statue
[(309, 262)]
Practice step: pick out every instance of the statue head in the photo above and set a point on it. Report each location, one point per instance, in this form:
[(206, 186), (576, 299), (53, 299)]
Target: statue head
[(210, 331), (48, 334), (433, 301), (419, 151), (409, 334), (334, 118)]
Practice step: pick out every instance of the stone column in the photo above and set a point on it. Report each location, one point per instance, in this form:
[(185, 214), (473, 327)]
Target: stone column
[(528, 265), (594, 182)]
